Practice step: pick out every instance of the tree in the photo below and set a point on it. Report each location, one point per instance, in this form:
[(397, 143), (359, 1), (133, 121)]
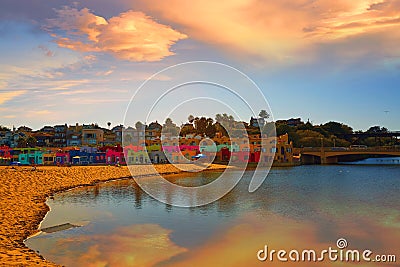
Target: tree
[(27, 141), (200, 125), (210, 128), (31, 141), (337, 128), (191, 118), (221, 129), (3, 128), (108, 124), (139, 126), (21, 142), (170, 127), (218, 118), (168, 122), (377, 129), (269, 129), (187, 129), (128, 139), (264, 114), (282, 129), (306, 126)]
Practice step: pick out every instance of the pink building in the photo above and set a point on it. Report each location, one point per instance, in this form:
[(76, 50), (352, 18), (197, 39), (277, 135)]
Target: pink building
[(189, 148), (115, 157), (62, 157)]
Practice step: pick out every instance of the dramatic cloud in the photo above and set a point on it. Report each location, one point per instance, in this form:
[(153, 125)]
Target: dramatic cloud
[(238, 245), (130, 36), (135, 245), (279, 30)]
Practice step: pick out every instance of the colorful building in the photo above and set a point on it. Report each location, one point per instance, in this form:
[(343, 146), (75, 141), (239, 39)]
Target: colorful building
[(153, 130), (92, 136), (115, 157), (49, 158), (137, 155), (283, 150), (62, 158), (157, 157), (30, 156), (5, 155)]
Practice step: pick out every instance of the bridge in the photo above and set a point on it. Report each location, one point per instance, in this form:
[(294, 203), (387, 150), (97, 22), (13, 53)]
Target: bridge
[(331, 155)]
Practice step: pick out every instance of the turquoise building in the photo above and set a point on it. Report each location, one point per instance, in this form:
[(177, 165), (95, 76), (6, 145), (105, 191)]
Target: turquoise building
[(30, 156)]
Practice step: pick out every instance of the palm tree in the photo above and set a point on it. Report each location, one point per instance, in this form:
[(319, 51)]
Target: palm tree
[(218, 118), (264, 114)]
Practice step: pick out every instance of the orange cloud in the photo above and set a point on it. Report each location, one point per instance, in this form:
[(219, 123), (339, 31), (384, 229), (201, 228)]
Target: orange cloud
[(277, 30), (7, 96), (130, 35), (238, 245), (136, 245)]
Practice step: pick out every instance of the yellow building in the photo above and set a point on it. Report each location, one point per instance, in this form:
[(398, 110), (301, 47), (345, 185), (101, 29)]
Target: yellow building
[(137, 157), (49, 158), (284, 150)]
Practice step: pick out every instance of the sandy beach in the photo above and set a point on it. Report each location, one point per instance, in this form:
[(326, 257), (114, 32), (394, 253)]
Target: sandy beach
[(23, 194)]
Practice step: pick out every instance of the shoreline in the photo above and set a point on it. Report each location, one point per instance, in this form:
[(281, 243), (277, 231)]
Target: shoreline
[(24, 194)]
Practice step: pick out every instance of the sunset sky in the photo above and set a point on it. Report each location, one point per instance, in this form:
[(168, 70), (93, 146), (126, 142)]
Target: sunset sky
[(67, 62)]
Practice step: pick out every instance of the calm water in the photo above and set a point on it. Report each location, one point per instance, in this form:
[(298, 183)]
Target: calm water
[(306, 207)]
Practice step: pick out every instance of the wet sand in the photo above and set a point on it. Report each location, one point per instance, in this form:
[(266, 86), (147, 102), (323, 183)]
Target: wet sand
[(23, 195)]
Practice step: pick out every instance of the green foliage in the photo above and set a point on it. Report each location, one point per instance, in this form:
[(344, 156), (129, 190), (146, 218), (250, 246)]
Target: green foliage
[(221, 129), (27, 141), (187, 129), (377, 129), (190, 118), (269, 129), (210, 128), (139, 125), (264, 114), (282, 129), (307, 135), (170, 127), (3, 128)]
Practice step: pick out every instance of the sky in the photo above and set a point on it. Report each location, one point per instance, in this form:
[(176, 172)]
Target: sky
[(67, 62)]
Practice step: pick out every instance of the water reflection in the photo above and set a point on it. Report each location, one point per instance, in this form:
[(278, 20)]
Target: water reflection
[(303, 207)]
